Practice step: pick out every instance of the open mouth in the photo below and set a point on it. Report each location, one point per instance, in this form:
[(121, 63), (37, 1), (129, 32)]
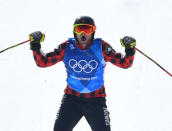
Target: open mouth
[(83, 38)]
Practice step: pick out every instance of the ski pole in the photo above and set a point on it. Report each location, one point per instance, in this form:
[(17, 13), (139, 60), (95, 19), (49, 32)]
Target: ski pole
[(14, 46), (154, 62)]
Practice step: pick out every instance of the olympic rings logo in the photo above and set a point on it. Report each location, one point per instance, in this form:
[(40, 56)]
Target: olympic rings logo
[(83, 65)]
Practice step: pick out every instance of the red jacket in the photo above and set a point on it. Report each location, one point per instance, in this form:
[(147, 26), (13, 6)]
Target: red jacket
[(109, 54)]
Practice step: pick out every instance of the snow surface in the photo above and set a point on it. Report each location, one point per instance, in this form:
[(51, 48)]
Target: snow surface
[(138, 98)]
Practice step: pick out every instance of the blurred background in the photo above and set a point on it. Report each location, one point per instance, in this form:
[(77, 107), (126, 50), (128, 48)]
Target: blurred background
[(138, 98)]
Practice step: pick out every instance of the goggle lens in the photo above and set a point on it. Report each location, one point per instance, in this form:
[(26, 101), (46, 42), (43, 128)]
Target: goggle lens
[(88, 29)]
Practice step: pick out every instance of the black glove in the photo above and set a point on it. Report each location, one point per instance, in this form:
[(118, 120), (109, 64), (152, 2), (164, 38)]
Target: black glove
[(129, 43), (36, 38)]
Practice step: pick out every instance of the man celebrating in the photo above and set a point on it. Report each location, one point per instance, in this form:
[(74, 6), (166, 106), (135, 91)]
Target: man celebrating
[(85, 58)]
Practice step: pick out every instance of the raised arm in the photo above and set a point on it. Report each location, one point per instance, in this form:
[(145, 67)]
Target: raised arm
[(110, 55), (49, 59)]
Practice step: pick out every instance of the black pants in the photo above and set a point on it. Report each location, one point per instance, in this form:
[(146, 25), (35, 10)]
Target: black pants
[(74, 108)]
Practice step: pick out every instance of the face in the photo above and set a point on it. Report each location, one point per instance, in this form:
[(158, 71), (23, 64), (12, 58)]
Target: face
[(84, 39)]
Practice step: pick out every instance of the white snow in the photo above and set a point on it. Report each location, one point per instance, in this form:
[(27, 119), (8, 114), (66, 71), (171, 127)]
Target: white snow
[(138, 98)]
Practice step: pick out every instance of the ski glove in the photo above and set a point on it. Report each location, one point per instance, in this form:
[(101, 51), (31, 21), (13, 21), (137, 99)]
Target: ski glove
[(128, 42), (36, 38)]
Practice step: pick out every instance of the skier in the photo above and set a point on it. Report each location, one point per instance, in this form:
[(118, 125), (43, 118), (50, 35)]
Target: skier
[(85, 58)]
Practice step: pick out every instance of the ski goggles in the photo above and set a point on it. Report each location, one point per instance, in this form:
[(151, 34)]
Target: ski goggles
[(87, 28)]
